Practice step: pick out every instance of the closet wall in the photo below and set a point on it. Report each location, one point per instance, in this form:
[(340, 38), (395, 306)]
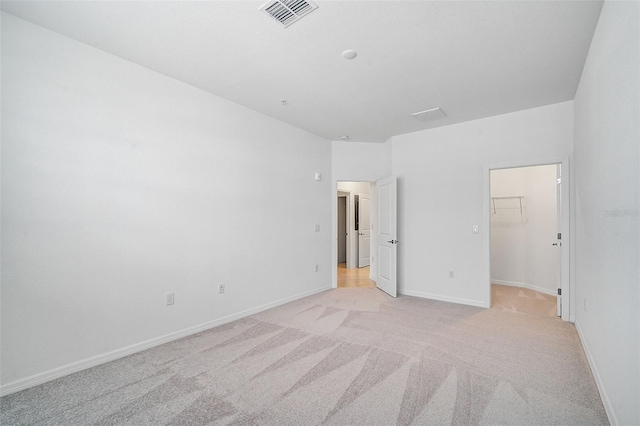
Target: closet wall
[(524, 227)]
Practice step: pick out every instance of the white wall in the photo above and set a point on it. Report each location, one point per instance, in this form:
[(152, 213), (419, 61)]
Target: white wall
[(508, 228), (607, 158), (441, 178), (120, 185), (360, 161), (522, 253)]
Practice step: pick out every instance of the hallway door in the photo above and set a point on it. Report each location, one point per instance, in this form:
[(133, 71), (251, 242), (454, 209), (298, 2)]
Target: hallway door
[(387, 234), (364, 230)]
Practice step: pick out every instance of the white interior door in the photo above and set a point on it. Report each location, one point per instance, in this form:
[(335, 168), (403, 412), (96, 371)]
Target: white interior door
[(364, 230), (387, 242)]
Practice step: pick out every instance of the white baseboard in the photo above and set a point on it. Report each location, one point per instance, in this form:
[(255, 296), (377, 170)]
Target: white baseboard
[(608, 408), (65, 370), (525, 285), (442, 298)]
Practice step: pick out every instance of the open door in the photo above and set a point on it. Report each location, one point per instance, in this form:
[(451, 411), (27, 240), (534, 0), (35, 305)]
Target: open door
[(364, 230), (387, 242), (558, 243)]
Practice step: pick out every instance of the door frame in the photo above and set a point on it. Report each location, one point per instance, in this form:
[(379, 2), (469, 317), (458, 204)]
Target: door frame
[(348, 213), (566, 249), (334, 226)]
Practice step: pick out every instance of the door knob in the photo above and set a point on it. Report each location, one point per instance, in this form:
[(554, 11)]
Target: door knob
[(393, 241), (554, 244)]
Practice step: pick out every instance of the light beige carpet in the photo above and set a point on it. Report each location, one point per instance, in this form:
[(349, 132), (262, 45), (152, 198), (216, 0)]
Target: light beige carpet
[(523, 300), (342, 357)]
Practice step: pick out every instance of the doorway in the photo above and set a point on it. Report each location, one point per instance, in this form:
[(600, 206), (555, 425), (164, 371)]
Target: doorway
[(526, 238), (353, 234), (382, 238)]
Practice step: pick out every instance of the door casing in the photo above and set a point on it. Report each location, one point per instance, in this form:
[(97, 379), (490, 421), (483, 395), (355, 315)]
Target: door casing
[(567, 247)]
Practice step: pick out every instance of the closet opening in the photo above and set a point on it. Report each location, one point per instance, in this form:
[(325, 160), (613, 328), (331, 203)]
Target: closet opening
[(526, 212)]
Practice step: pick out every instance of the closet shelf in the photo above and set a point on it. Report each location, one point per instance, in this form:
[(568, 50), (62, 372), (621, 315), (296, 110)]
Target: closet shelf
[(513, 197)]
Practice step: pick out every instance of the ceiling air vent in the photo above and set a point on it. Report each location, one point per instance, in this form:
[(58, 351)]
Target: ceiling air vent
[(430, 114), (286, 12)]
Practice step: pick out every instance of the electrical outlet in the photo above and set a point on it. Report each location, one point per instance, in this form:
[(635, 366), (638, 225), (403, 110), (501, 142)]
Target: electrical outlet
[(452, 274), (475, 229), (315, 268), (220, 288), (170, 299)]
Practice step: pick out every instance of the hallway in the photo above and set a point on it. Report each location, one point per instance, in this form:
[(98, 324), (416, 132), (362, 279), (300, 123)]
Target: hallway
[(355, 277)]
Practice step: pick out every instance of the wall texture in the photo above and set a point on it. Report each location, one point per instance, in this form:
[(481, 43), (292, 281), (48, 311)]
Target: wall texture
[(607, 159), (120, 185), (441, 194)]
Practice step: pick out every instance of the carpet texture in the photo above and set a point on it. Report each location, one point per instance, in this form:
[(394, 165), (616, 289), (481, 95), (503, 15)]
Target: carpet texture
[(523, 300), (342, 357)]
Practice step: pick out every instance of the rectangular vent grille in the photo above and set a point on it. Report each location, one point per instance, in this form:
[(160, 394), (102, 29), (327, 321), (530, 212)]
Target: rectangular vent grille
[(430, 114), (286, 12)]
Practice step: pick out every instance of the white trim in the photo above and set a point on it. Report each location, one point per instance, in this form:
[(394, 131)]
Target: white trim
[(350, 262), (346, 218), (608, 408), (431, 296), (525, 285), (56, 373)]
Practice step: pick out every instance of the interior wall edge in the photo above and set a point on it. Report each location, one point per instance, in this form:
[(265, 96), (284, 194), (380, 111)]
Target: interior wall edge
[(608, 407)]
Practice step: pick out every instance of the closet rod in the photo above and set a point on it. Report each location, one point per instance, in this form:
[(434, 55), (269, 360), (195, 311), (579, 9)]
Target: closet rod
[(513, 197)]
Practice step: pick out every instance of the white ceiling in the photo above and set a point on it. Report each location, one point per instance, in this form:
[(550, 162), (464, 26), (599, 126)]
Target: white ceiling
[(473, 59)]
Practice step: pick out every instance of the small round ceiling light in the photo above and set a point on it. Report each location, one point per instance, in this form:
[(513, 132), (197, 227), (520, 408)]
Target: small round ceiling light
[(349, 54)]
